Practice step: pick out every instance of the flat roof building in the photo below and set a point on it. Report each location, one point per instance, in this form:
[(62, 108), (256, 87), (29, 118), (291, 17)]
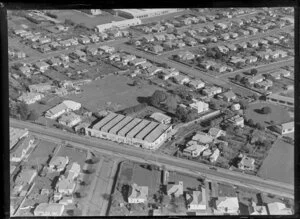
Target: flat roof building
[(49, 209), (144, 13)]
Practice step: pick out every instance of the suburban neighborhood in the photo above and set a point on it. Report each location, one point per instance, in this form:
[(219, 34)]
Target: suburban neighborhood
[(151, 112)]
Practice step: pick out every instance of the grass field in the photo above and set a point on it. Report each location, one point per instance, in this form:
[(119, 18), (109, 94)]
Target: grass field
[(41, 152), (74, 154), (111, 91), (279, 114), (80, 17), (279, 164), (188, 181)]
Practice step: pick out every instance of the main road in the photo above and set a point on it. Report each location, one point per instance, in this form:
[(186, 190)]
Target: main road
[(172, 163)]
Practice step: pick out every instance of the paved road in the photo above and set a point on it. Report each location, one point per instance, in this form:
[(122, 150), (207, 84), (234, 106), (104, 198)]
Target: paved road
[(172, 163)]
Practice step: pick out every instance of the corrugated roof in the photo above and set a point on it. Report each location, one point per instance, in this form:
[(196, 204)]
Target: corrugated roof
[(156, 133), (112, 123), (137, 129), (146, 130), (104, 121), (120, 125), (128, 127)]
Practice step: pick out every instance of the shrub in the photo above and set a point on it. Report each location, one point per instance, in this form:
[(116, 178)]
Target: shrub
[(266, 110)]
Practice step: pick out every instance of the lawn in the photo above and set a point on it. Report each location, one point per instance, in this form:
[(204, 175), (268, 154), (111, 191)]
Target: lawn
[(90, 21), (41, 153), (112, 91), (279, 164), (189, 182), (279, 114), (74, 154)]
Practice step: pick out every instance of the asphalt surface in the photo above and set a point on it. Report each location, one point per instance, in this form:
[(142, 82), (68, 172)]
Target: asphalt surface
[(172, 163)]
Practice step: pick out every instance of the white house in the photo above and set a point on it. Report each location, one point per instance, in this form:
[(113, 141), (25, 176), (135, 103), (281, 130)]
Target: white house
[(285, 128), (175, 189), (197, 201), (161, 118), (139, 194), (199, 106), (227, 205)]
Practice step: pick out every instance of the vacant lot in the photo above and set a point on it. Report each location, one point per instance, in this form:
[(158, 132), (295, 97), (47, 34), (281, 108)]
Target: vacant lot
[(189, 182), (279, 114), (41, 153), (279, 164), (111, 91), (74, 154), (82, 18)]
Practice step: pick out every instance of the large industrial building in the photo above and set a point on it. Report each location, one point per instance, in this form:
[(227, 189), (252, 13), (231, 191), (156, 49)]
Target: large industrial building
[(118, 24), (144, 13), (128, 130)]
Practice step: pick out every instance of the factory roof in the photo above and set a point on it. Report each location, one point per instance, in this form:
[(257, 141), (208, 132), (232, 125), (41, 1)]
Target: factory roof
[(151, 137), (129, 126), (104, 121), (146, 130), (112, 123), (137, 129), (120, 125)]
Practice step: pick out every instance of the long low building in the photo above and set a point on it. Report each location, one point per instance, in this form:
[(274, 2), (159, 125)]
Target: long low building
[(118, 24), (144, 13), (128, 130), (283, 100)]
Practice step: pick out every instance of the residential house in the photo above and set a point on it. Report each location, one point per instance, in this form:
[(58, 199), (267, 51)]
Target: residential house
[(54, 45), (25, 70), (238, 22), (197, 200), (216, 132), (137, 61), (227, 205), (199, 106), (94, 38), (152, 70), (272, 40), (202, 138), (252, 30), (175, 189), (262, 42), (74, 171), (74, 41), (257, 209), (147, 38), (253, 44), (127, 58), (195, 149), (169, 44), (185, 55), (139, 194), (65, 43), (170, 37), (289, 87), (221, 26), (169, 73), (114, 33), (196, 84), (278, 208), (30, 97), (84, 40), (235, 60), (65, 185), (91, 50), (228, 96), (69, 119), (78, 54), (251, 59), (18, 152), (156, 48), (44, 40), (42, 66), (49, 209), (66, 201), (255, 79), (145, 65), (181, 79), (235, 107), (190, 41), (200, 39), (225, 36), (266, 84), (233, 35), (44, 48), (103, 36), (158, 28), (211, 91), (231, 47), (65, 106), (15, 135), (237, 120), (242, 45), (107, 49), (213, 158), (58, 163), (191, 33), (219, 68), (54, 61), (243, 32), (263, 55), (159, 37), (222, 49), (161, 118), (179, 43), (285, 128), (40, 88), (210, 27), (246, 163)]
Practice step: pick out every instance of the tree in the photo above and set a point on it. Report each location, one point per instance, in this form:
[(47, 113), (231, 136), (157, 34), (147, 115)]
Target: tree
[(157, 97), (33, 115), (253, 71), (69, 22), (244, 104), (181, 113), (266, 110), (238, 78), (23, 110), (259, 126), (250, 122)]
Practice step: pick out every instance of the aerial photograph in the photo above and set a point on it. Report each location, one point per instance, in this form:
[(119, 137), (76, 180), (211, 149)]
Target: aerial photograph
[(151, 112)]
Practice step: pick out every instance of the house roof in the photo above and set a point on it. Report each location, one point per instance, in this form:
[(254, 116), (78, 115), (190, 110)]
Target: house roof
[(288, 125), (59, 161), (231, 203), (196, 147), (229, 94), (160, 117), (277, 208), (202, 137), (247, 161), (65, 184), (48, 209), (198, 197), (139, 192), (214, 132), (176, 189), (22, 145), (69, 117), (15, 134)]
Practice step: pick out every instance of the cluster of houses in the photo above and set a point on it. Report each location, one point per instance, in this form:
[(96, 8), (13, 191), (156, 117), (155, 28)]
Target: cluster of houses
[(16, 54)]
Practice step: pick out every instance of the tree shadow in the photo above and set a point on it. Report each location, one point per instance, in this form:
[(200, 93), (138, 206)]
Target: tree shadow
[(259, 111), (144, 100)]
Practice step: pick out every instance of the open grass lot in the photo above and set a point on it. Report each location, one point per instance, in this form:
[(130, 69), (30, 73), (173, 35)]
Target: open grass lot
[(279, 164), (41, 153), (279, 114), (189, 182), (74, 154), (112, 90), (88, 20)]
